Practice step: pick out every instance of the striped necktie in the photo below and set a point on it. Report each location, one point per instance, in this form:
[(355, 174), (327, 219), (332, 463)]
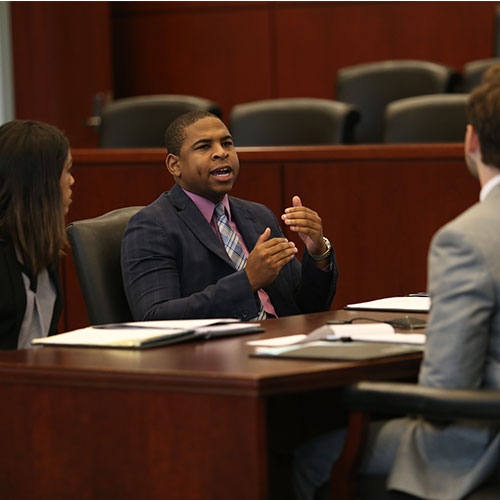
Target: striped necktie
[(233, 246)]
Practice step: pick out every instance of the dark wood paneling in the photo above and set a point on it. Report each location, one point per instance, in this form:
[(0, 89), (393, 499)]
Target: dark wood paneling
[(380, 205), (62, 58), (231, 52), (219, 50), (314, 39), (93, 443), (380, 212), (236, 52)]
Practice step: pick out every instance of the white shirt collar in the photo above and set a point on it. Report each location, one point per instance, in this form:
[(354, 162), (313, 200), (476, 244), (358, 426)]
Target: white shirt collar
[(487, 188)]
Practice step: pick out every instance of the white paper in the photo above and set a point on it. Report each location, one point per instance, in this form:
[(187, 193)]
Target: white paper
[(278, 341), (103, 336), (367, 332), (380, 332), (413, 304)]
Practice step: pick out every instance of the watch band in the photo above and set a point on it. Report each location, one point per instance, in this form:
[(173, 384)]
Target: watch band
[(326, 253)]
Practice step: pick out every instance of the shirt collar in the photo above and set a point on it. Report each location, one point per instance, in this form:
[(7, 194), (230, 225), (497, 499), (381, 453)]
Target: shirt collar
[(488, 187), (206, 207)]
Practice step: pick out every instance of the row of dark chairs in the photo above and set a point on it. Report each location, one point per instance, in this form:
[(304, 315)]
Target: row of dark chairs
[(141, 121), (374, 102)]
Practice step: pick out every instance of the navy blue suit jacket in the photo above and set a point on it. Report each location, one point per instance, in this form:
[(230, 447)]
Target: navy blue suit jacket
[(174, 265)]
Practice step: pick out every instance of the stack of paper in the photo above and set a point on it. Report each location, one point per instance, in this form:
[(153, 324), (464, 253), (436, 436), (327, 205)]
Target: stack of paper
[(149, 333), (410, 304), (364, 332)]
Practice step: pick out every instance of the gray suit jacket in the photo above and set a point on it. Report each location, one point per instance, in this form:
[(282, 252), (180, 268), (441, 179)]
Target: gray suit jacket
[(444, 462)]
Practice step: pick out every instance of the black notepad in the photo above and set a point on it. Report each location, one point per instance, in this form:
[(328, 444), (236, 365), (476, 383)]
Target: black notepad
[(341, 351)]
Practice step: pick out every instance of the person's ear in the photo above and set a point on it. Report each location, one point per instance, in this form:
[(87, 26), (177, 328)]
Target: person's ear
[(173, 164), (472, 151), (471, 140)]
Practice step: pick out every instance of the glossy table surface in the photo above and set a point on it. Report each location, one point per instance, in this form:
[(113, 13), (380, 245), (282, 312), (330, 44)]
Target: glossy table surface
[(220, 366)]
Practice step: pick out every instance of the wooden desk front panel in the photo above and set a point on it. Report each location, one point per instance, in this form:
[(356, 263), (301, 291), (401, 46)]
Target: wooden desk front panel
[(184, 422), (103, 443)]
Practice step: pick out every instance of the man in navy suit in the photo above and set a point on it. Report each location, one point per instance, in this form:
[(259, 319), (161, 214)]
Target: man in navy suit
[(174, 261)]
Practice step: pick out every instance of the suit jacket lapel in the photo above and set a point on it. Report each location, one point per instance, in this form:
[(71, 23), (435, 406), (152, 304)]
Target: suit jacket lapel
[(246, 222), (193, 219)]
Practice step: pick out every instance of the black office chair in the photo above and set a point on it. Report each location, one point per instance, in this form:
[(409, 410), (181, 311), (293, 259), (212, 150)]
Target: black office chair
[(140, 122), (370, 87), (292, 121), (367, 398), (474, 70), (95, 246), (428, 118)]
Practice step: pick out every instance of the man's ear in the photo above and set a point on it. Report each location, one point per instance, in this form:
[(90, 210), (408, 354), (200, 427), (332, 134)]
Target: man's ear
[(173, 165), (472, 151), (471, 140)]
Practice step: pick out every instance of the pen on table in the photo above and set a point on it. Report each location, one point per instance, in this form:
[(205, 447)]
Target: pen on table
[(419, 294)]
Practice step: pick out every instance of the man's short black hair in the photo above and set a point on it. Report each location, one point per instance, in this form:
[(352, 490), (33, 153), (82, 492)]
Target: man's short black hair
[(175, 136)]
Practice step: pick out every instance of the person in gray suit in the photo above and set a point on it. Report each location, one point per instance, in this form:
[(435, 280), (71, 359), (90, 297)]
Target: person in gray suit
[(423, 458)]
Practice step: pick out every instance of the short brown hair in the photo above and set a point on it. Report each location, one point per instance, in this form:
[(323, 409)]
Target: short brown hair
[(175, 136), (483, 113), (32, 159)]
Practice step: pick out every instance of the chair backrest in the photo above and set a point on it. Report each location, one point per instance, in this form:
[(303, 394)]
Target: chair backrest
[(141, 122), (474, 70), (370, 87), (429, 118), (439, 404), (95, 246), (292, 121)]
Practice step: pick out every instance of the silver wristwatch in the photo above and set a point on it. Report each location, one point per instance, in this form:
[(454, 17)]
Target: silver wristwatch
[(326, 253)]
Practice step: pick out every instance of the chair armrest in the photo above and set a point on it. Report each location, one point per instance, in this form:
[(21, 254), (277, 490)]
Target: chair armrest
[(432, 402)]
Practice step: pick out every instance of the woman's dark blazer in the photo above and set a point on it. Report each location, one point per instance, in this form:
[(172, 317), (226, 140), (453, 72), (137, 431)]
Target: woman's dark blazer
[(13, 295)]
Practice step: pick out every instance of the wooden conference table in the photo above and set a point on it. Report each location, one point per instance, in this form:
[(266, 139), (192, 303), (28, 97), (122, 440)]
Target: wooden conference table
[(184, 422)]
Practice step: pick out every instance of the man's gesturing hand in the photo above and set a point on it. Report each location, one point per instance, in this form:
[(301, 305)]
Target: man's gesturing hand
[(307, 223), (267, 258)]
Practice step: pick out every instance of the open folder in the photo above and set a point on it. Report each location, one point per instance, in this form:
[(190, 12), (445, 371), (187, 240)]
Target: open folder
[(141, 335), (343, 342)]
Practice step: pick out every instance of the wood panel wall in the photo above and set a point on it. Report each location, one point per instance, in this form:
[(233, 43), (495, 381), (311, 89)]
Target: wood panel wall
[(231, 52), (235, 52), (62, 59), (380, 205)]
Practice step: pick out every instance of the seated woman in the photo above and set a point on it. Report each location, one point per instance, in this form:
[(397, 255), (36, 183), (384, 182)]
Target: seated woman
[(35, 194)]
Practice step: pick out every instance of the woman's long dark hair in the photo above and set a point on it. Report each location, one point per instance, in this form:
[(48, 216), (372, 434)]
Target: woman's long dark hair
[(32, 159)]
